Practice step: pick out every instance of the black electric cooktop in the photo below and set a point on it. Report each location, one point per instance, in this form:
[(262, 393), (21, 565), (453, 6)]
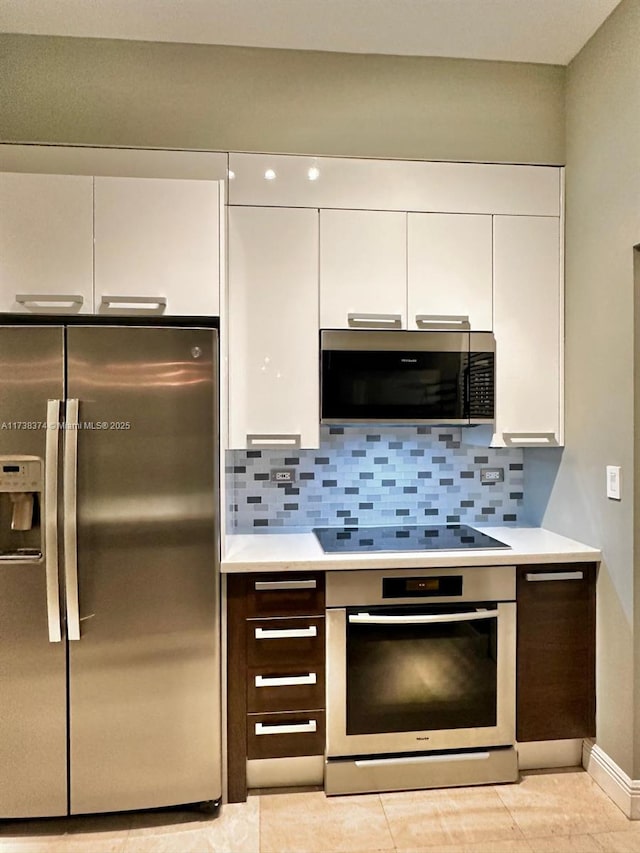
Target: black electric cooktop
[(419, 537)]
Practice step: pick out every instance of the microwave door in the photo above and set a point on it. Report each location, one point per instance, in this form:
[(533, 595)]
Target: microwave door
[(394, 387)]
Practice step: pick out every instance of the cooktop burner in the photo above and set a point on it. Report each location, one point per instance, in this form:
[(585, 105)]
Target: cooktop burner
[(406, 538)]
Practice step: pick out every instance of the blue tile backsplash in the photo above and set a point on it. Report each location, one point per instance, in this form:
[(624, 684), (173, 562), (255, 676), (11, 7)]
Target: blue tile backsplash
[(371, 476)]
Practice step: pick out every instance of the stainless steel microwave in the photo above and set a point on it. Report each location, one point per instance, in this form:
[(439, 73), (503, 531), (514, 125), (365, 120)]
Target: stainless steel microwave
[(396, 377)]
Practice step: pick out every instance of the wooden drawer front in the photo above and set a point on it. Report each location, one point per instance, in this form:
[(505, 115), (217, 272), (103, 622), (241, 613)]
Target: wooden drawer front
[(284, 735), (295, 642), (556, 651), (285, 595), (285, 689)]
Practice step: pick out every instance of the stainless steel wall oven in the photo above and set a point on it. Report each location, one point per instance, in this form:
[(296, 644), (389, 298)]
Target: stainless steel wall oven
[(421, 678)]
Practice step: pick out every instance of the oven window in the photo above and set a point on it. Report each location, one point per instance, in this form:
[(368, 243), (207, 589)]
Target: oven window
[(407, 385), (412, 677)]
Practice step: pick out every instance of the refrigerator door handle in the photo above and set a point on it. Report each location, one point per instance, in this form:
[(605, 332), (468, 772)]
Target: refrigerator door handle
[(70, 486), (51, 520)]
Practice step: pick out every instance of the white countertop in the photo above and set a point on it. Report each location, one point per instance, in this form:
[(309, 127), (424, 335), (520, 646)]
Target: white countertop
[(270, 552)]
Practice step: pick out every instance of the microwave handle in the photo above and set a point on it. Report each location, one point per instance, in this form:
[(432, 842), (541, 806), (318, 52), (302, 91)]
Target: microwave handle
[(374, 321), (425, 619)]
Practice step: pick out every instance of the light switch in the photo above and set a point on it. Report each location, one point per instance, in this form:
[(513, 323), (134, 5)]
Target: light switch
[(613, 482)]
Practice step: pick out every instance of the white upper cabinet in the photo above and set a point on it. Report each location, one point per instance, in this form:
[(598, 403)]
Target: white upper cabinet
[(46, 243), (528, 326), (363, 270), (273, 328), (358, 184), (157, 246), (449, 270)]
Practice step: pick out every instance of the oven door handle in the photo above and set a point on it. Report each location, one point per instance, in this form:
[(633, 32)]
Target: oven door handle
[(426, 619)]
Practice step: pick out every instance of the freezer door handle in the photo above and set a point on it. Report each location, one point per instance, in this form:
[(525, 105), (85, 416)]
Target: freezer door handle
[(51, 520), (70, 487)]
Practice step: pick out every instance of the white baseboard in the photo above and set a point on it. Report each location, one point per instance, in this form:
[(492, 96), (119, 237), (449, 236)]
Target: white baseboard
[(622, 789)]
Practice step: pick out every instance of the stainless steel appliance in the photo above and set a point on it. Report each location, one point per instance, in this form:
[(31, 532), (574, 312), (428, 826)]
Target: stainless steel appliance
[(407, 377), (109, 626), (420, 678), (406, 537)]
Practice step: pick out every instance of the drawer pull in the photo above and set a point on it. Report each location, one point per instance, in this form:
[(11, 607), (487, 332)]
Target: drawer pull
[(285, 680), (273, 585), (555, 576), (286, 728), (286, 633)]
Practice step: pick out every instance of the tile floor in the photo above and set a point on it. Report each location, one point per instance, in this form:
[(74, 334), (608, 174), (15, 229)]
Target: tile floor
[(547, 812)]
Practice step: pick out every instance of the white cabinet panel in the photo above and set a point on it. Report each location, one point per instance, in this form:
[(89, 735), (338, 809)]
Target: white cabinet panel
[(273, 327), (338, 182), (46, 243), (363, 269), (157, 240), (528, 330), (450, 268), (115, 162)]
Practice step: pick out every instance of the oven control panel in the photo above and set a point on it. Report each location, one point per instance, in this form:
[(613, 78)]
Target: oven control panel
[(409, 586)]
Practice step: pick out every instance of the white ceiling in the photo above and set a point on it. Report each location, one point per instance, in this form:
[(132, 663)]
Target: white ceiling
[(548, 31)]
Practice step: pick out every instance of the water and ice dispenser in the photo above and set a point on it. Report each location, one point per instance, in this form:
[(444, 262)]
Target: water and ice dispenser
[(21, 489)]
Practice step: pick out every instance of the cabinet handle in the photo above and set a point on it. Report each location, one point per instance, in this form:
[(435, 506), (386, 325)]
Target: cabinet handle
[(273, 585), (285, 680), (286, 729), (274, 440), (443, 321), (44, 301), (285, 633), (157, 304), (554, 576), (526, 438), (372, 321)]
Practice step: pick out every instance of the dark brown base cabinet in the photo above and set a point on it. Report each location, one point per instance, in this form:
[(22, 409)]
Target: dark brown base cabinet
[(556, 651), (275, 666)]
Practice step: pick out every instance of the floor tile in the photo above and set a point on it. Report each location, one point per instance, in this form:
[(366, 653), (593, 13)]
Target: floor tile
[(625, 841), (456, 816), (520, 846), (187, 841), (550, 804), (313, 823), (565, 844), (63, 844), (235, 829)]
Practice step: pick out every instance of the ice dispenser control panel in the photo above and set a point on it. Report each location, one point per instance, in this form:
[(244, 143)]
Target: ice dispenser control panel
[(20, 474)]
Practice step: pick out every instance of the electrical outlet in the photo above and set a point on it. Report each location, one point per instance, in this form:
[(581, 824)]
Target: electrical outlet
[(283, 475), (613, 482), (488, 476)]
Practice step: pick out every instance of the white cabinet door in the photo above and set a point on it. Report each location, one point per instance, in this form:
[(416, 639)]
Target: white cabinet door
[(449, 270), (529, 331), (273, 328), (46, 243), (363, 269), (157, 246)]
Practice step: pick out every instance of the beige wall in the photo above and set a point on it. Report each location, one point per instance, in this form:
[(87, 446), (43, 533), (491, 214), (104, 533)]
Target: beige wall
[(602, 226), (109, 92)]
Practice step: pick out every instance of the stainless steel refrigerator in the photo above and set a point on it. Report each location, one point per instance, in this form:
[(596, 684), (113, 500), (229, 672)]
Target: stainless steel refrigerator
[(109, 576)]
